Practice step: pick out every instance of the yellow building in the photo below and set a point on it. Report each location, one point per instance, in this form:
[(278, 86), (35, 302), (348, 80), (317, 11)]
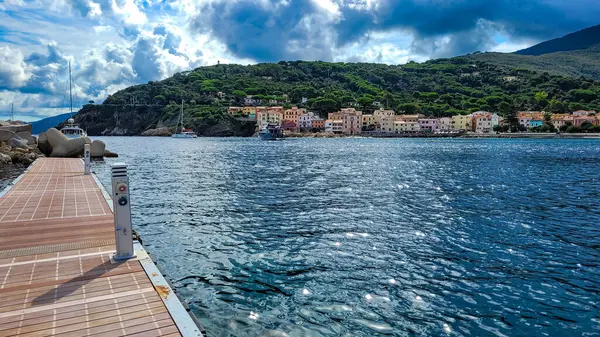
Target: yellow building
[(462, 122), (293, 115), (269, 116), (234, 110), (368, 121)]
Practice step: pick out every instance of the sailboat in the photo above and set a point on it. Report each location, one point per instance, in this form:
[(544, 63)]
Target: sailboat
[(72, 130), (184, 133)]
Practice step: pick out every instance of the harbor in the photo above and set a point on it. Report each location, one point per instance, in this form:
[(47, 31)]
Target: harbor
[(65, 267)]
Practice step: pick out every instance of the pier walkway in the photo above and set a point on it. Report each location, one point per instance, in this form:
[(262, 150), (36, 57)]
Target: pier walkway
[(57, 236)]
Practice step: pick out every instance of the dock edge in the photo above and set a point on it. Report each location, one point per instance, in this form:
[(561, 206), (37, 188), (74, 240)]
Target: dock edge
[(184, 318)]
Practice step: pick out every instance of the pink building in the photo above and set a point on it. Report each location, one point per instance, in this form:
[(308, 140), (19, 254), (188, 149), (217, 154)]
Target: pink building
[(429, 124), (351, 122), (578, 120)]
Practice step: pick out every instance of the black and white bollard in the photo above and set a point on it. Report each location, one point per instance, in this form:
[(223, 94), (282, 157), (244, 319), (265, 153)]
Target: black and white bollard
[(87, 159), (122, 212)]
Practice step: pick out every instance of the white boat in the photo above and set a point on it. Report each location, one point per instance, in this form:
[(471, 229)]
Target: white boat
[(184, 133), (72, 130)]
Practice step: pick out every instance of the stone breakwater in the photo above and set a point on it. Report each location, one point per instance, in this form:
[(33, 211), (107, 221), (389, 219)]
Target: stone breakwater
[(19, 146)]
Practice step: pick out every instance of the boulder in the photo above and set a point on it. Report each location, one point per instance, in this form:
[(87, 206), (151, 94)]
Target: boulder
[(16, 128), (5, 135), (63, 146), (109, 154), (44, 145), (97, 149), (27, 136), (18, 142), (28, 158), (5, 159), (161, 132)]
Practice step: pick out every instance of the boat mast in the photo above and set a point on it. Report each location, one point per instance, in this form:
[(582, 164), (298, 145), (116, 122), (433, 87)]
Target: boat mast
[(12, 111), (70, 90), (181, 117)]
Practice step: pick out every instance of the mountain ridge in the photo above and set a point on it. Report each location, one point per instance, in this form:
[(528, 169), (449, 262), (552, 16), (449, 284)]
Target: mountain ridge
[(579, 40)]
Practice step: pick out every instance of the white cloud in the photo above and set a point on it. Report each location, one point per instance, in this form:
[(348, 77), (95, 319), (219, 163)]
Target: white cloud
[(12, 68)]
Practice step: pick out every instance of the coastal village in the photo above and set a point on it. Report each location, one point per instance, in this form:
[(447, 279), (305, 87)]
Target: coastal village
[(349, 121)]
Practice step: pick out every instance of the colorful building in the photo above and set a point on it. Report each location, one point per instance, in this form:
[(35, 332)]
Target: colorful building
[(305, 121), (428, 124), (369, 122), (578, 120), (337, 126), (328, 125), (235, 110), (384, 120), (462, 122), (445, 123), (352, 124), (318, 123), (269, 116), (482, 123), (406, 127)]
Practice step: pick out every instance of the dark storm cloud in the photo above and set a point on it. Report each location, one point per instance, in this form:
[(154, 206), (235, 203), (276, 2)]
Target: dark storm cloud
[(264, 32), (251, 29)]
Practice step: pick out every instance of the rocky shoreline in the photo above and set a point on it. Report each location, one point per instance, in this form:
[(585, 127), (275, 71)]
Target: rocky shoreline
[(19, 148)]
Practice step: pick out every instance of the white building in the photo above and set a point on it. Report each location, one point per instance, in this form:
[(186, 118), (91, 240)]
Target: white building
[(445, 124), (249, 100), (483, 123), (406, 127), (329, 126), (338, 126), (305, 120)]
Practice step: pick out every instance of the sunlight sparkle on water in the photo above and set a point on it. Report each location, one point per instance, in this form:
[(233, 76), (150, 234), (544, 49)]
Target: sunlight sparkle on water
[(368, 297), (306, 292), (253, 315), (392, 281)]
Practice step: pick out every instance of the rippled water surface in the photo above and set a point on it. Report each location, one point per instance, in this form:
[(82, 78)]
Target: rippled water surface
[(365, 237)]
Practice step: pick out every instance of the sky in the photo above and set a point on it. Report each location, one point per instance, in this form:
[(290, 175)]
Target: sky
[(112, 44)]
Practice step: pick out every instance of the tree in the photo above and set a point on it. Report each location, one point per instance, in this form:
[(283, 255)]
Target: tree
[(565, 126), (365, 100), (541, 99), (555, 106), (408, 108), (91, 102), (239, 93), (582, 95)]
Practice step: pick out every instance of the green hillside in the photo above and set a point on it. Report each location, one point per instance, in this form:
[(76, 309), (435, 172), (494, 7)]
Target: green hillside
[(437, 88), (576, 63)]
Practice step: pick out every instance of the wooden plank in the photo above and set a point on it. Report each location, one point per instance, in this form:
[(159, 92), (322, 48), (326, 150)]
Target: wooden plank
[(69, 292)]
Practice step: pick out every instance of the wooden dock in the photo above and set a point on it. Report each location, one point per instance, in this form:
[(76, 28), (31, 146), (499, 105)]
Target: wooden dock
[(57, 237)]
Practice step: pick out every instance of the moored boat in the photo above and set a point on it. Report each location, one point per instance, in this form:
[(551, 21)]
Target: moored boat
[(184, 133), (271, 132)]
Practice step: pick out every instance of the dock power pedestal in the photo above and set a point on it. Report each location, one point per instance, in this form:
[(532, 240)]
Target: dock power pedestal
[(122, 213)]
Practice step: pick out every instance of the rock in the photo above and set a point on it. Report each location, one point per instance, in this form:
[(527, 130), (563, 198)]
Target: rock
[(5, 135), (27, 136), (63, 146), (28, 158), (97, 149), (18, 142), (16, 128), (44, 145), (5, 159), (109, 154), (20, 150), (160, 132)]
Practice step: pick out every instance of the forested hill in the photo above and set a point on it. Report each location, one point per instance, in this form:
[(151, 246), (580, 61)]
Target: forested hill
[(438, 88)]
